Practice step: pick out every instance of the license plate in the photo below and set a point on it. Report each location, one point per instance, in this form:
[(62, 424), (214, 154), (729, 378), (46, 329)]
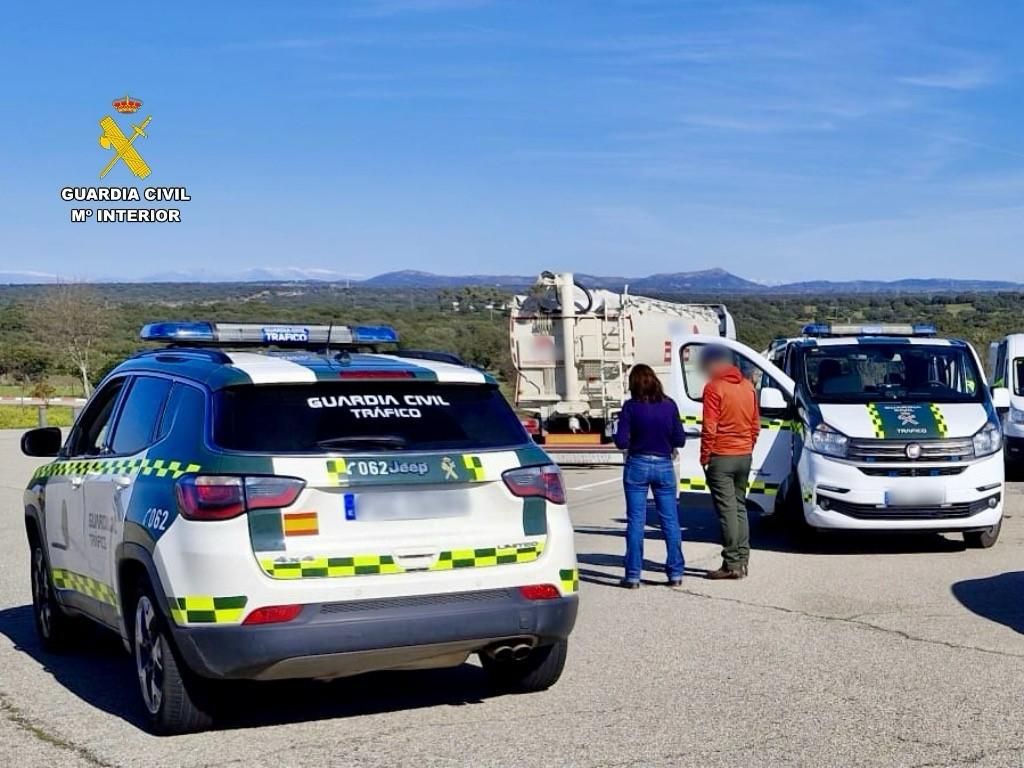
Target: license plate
[(915, 497)]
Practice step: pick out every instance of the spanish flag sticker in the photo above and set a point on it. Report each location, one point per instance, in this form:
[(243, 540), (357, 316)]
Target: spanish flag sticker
[(301, 524)]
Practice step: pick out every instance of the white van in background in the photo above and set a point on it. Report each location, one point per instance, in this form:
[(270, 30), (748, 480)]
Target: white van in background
[(1006, 367)]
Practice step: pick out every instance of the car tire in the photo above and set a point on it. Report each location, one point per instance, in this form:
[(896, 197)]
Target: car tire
[(983, 539), (174, 700), (537, 672), (53, 625)]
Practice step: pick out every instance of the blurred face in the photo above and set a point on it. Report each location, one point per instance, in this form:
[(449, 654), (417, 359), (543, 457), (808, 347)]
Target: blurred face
[(712, 367)]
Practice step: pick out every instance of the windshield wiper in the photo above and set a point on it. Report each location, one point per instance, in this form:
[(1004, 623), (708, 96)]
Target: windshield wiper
[(373, 441)]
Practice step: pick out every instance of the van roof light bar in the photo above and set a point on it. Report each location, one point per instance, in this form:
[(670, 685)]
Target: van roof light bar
[(819, 330), (266, 334)]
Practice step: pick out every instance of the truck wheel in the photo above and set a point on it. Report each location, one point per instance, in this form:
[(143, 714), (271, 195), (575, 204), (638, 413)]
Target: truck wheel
[(171, 697), (52, 624), (538, 671), (983, 539)]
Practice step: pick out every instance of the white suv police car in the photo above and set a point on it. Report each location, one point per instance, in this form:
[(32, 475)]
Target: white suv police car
[(315, 512), (864, 427)]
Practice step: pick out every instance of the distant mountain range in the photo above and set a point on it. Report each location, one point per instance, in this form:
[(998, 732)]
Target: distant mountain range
[(709, 281)]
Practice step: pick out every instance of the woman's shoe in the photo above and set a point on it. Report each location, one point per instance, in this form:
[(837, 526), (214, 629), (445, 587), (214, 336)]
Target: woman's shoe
[(627, 584), (675, 582)]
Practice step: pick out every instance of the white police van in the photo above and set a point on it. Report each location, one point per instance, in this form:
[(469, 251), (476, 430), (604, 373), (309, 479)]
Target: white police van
[(1006, 365), (308, 511), (864, 427)]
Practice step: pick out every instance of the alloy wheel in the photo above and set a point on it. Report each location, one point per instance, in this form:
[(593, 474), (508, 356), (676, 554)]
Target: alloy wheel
[(149, 659), (41, 597)]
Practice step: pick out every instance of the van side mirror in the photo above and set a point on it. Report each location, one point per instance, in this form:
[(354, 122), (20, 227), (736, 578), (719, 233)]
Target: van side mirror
[(43, 442), (772, 400), (1001, 398)]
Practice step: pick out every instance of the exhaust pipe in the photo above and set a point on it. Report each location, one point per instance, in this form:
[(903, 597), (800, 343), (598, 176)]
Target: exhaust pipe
[(508, 652), (521, 652), (502, 653)]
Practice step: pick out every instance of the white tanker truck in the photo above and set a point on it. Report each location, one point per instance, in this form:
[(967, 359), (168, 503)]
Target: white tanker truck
[(573, 347)]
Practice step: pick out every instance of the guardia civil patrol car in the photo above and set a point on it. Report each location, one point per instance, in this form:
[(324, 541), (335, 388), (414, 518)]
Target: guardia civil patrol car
[(864, 427), (308, 511)]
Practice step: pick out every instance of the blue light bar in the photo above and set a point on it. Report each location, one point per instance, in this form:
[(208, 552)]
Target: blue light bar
[(265, 335), (178, 331), (869, 329), (374, 334)]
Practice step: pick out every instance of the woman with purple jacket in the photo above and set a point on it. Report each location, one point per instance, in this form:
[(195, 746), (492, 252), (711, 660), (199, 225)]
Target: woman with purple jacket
[(650, 431)]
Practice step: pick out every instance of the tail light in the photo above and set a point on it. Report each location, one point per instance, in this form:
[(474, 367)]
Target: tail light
[(540, 592), (222, 497), (531, 425), (545, 482), (273, 614)]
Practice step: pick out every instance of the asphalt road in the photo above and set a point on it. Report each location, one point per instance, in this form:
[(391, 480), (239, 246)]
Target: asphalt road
[(869, 652)]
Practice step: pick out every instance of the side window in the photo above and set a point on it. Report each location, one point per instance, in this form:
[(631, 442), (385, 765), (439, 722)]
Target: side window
[(999, 374), (693, 377), (136, 425), (90, 435), (184, 401)]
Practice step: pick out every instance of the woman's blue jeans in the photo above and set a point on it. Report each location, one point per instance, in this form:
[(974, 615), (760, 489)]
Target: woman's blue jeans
[(657, 474)]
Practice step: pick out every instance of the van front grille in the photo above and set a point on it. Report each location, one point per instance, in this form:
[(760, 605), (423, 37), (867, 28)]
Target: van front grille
[(956, 449)]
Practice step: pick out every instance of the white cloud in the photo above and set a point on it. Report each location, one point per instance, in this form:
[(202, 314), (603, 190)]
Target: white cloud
[(964, 79)]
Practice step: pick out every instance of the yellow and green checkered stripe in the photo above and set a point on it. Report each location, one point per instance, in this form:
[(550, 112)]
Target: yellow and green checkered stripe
[(877, 424), (774, 425), (693, 484), (206, 609), (319, 567), (570, 578), (475, 466), (760, 486), (149, 467), (330, 567), (86, 585), (940, 419), (488, 556), (700, 485)]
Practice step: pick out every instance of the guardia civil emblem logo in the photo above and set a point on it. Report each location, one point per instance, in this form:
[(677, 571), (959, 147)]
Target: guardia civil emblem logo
[(123, 147)]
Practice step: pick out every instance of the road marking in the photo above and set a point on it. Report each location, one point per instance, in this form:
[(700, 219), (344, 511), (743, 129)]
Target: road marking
[(587, 486)]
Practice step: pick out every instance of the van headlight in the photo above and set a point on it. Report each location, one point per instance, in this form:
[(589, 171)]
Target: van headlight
[(987, 440), (828, 441), (1016, 415)]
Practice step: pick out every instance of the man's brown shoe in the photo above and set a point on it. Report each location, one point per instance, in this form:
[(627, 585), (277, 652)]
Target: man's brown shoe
[(725, 573)]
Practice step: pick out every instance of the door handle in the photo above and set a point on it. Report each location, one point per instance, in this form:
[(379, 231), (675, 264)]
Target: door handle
[(121, 482), (76, 482)]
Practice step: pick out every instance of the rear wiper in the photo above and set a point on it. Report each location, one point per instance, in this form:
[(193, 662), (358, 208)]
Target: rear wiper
[(373, 441)]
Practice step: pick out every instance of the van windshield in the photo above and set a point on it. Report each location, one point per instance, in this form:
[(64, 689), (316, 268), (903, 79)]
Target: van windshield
[(1018, 376), (365, 416), (898, 371)]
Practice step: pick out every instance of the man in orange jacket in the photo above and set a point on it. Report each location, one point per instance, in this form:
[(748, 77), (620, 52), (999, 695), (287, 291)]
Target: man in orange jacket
[(732, 423)]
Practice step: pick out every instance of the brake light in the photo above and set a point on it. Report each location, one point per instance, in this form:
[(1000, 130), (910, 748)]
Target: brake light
[(273, 614), (222, 497), (531, 425), (545, 482), (540, 592)]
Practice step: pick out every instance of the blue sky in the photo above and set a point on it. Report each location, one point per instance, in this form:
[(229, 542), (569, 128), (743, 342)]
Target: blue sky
[(781, 141)]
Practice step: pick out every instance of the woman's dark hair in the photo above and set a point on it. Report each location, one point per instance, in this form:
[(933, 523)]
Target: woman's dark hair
[(644, 386)]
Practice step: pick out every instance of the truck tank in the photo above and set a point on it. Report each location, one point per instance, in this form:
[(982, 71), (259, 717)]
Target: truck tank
[(573, 346)]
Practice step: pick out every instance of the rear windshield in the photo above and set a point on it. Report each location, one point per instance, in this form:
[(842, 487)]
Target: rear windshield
[(367, 416)]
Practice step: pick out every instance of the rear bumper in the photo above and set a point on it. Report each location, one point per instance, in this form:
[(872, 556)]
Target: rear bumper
[(339, 639)]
